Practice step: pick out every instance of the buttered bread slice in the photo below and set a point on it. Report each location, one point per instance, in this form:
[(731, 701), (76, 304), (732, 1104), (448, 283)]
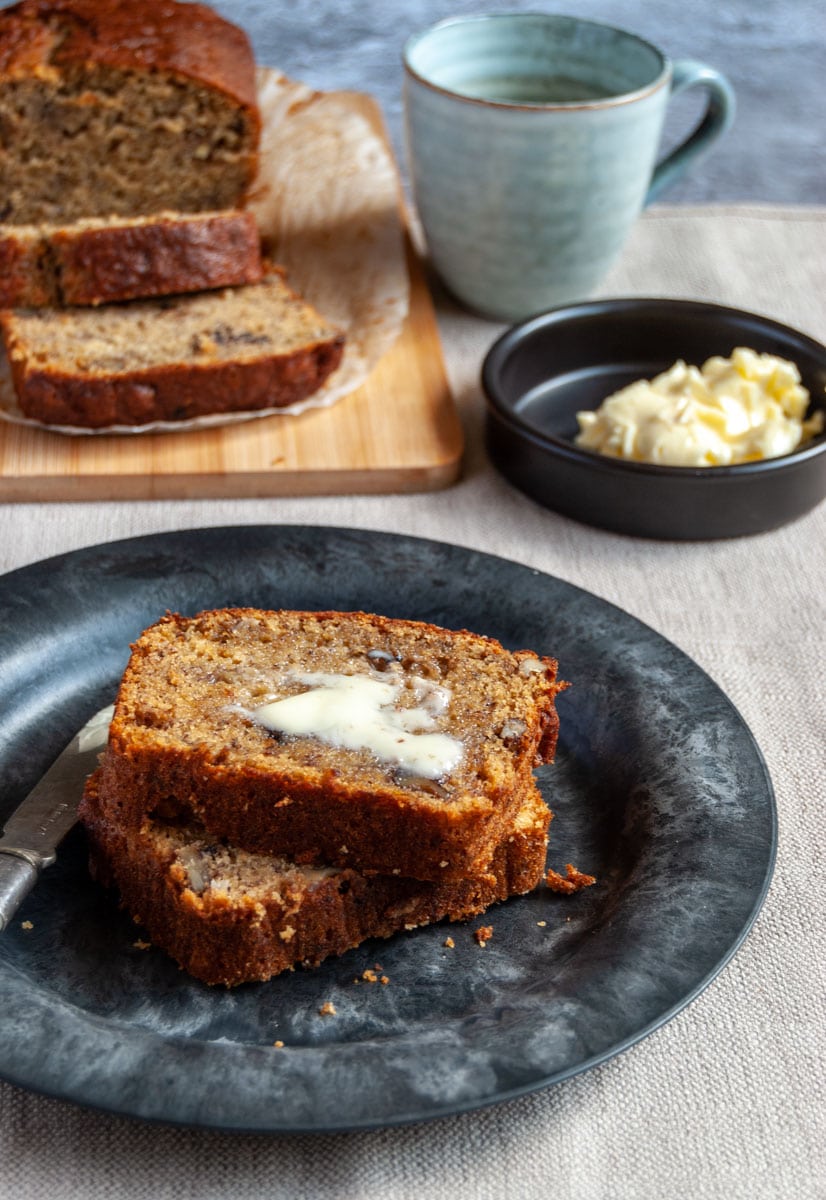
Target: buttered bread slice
[(338, 738)]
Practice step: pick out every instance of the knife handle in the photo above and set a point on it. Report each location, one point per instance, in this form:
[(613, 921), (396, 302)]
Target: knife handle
[(17, 878)]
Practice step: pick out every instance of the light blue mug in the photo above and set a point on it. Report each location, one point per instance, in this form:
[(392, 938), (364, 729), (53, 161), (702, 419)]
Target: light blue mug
[(532, 141)]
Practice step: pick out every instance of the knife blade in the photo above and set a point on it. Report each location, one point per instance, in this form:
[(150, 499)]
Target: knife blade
[(39, 824)]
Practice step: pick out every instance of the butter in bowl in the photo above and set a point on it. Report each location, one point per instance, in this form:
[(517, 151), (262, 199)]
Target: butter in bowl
[(660, 418)]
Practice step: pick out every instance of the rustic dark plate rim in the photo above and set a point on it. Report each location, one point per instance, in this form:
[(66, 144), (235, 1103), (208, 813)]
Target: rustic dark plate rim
[(514, 1041)]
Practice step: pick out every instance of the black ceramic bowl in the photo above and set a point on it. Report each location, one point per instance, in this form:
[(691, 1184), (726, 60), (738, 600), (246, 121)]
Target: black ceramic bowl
[(544, 370)]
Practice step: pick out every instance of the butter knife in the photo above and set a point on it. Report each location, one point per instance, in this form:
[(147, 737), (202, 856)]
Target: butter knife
[(36, 828)]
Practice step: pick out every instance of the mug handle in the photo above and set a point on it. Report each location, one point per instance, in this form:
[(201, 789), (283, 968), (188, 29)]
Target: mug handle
[(718, 117)]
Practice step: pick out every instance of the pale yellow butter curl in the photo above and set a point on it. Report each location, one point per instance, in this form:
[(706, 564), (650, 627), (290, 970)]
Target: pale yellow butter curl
[(731, 410)]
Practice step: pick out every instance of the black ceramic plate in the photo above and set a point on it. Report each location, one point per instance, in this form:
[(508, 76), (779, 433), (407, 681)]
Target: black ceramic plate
[(658, 789)]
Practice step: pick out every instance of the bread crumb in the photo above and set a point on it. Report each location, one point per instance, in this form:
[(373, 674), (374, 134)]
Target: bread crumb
[(369, 975), (287, 933), (343, 850), (328, 1009), (279, 1045), (384, 979), (572, 881), (542, 924), (397, 870), (26, 925), (140, 945), (444, 863), (449, 942), (483, 934)]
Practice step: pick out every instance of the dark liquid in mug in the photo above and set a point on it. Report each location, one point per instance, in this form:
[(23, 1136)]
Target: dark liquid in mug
[(533, 89)]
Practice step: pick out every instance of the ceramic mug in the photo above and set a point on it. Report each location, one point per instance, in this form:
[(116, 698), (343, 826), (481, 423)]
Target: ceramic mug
[(532, 141)]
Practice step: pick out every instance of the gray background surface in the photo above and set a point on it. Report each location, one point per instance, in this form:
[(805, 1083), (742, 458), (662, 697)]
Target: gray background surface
[(773, 51)]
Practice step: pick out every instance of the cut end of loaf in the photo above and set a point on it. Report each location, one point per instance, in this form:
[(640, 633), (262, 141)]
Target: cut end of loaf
[(133, 108)]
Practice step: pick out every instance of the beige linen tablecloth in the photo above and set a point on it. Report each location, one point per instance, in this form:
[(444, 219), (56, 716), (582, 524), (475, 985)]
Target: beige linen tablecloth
[(729, 1098)]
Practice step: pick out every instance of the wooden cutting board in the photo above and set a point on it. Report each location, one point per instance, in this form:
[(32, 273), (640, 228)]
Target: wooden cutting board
[(399, 432)]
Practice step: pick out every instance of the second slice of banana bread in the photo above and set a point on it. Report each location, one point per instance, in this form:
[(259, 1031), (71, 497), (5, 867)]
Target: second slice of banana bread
[(228, 916), (235, 350)]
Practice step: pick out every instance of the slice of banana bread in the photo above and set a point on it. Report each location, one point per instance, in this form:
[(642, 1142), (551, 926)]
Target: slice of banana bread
[(233, 350), (107, 259), (228, 916), (339, 738), (115, 106)]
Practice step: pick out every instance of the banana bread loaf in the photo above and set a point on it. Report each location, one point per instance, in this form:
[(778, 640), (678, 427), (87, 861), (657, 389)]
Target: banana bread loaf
[(346, 739), (228, 916), (239, 349), (106, 259), (117, 107)]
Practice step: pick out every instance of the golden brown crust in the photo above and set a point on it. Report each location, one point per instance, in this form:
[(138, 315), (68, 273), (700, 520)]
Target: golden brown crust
[(313, 803), (177, 391), (231, 940), (175, 388), (158, 258), (91, 263), (190, 40), (310, 824)]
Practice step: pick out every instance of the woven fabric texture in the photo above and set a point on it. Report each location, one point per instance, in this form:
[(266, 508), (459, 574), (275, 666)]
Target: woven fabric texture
[(729, 1098)]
